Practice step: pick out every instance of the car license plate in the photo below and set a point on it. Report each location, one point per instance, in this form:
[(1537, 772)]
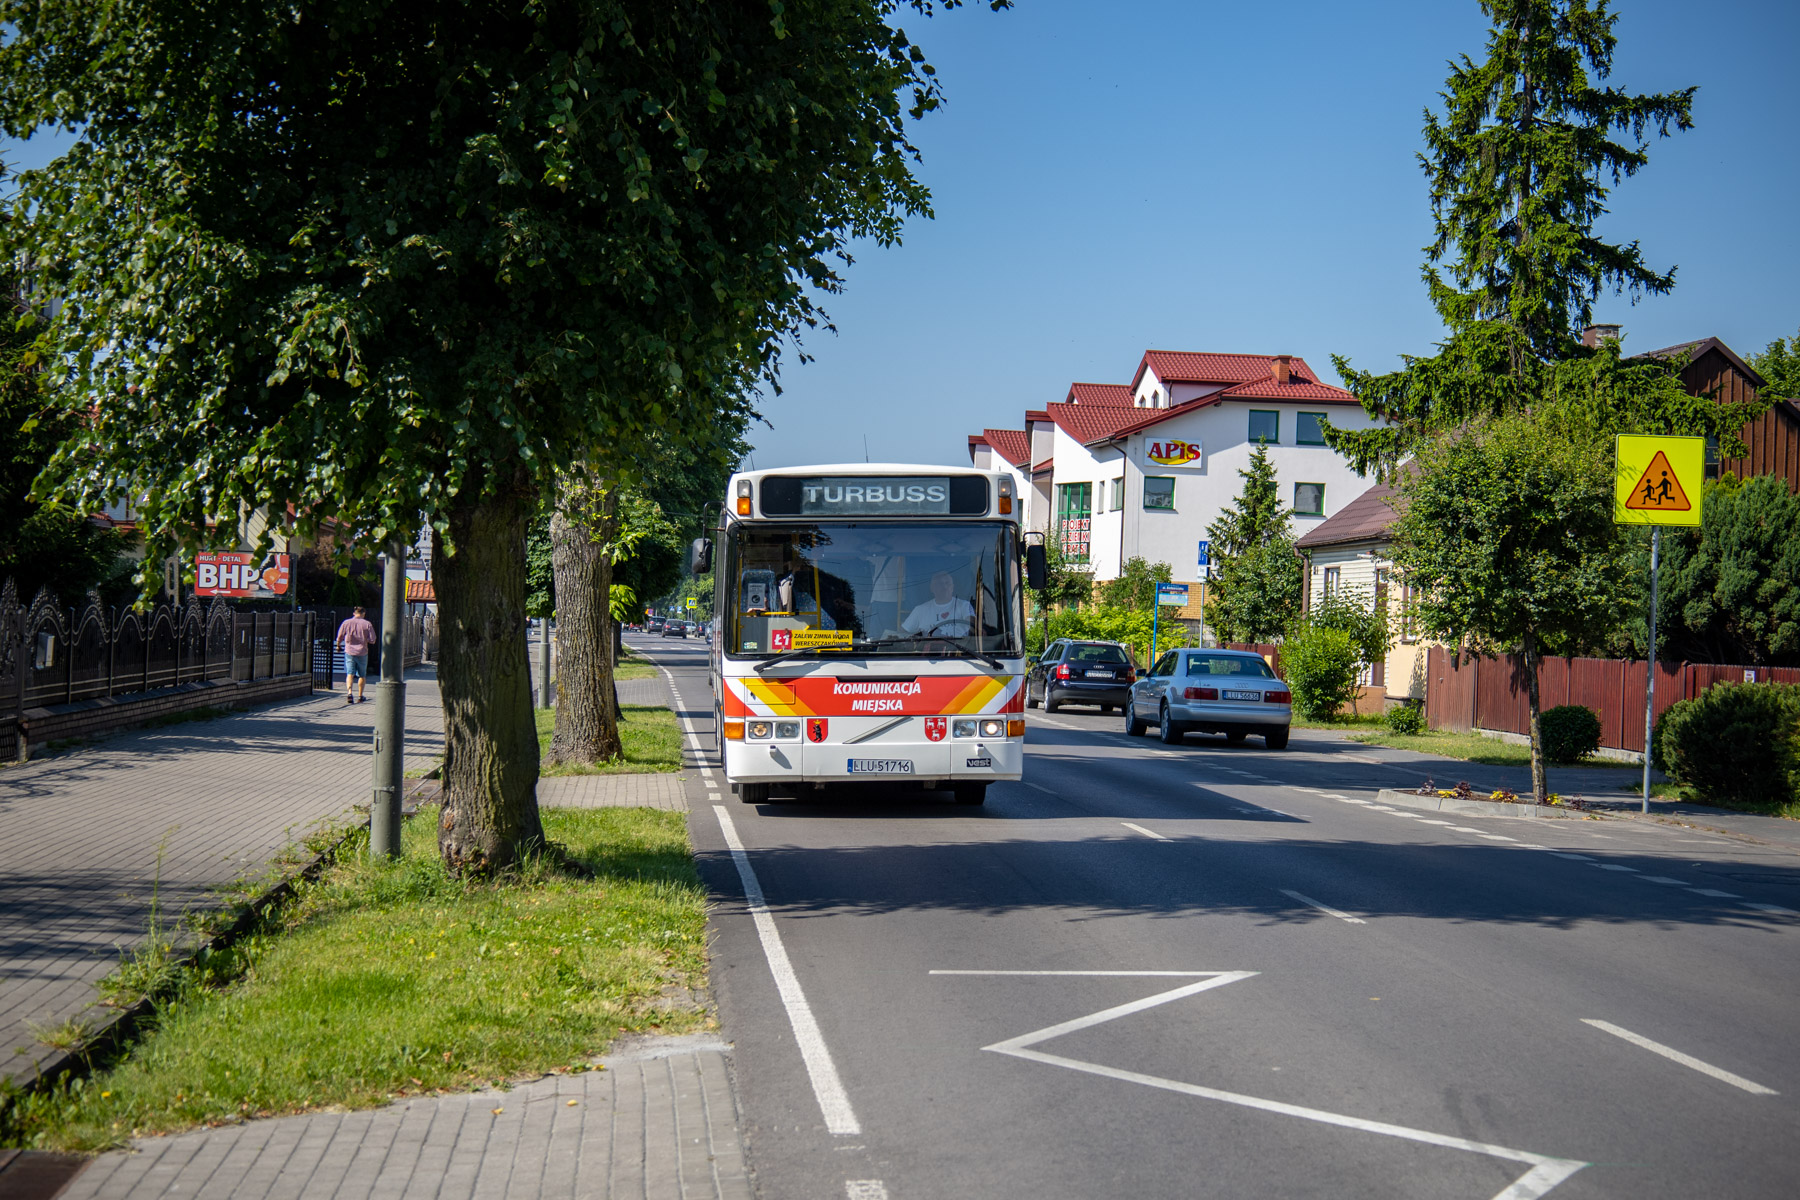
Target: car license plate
[(1243, 695), (984, 761), (1100, 674), (881, 766)]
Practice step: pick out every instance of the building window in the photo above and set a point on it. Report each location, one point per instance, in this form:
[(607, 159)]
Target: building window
[(1712, 458), (1309, 429), (1118, 493), (1159, 491), (1333, 576), (1265, 426), (1074, 509), (1309, 499)]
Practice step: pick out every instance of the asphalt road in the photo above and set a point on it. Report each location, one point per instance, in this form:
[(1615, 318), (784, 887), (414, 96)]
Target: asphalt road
[(1216, 971)]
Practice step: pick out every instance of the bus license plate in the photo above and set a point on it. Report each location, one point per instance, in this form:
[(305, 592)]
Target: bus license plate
[(881, 766)]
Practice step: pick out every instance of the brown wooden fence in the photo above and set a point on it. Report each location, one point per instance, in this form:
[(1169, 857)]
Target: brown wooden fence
[(1472, 692)]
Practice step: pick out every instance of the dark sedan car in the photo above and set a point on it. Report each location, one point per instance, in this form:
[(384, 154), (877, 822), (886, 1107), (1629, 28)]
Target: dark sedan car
[(675, 629), (1080, 672)]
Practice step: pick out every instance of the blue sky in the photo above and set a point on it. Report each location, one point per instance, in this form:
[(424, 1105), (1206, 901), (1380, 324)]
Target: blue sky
[(1240, 177)]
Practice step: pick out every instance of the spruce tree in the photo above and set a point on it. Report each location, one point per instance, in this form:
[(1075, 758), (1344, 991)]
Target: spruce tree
[(1257, 589)]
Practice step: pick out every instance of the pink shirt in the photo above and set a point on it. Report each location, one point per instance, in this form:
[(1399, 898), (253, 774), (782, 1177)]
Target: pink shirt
[(356, 634)]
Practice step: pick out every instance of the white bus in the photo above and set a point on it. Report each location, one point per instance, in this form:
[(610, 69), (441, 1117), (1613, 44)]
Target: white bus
[(869, 627)]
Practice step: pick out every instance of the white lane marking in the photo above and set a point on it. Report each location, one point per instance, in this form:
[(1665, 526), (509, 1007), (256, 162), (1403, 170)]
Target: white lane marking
[(1530, 846), (1324, 908), (834, 1102), (1686, 1060), (1106, 974), (1571, 857), (1383, 808), (1064, 725), (1149, 833), (1040, 787), (1464, 829), (865, 1189), (1715, 893), (1335, 796), (1496, 837), (1665, 879), (710, 784), (1771, 908), (1430, 821), (1364, 803), (1615, 867), (1545, 1173)]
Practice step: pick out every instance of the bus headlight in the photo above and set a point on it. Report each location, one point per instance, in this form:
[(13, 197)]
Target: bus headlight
[(994, 728), (759, 731), (787, 730), (962, 729)]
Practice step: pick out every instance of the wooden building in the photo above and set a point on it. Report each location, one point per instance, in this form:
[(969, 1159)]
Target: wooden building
[(1773, 438)]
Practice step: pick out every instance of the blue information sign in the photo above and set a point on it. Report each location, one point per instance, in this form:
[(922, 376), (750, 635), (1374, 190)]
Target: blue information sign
[(1204, 559)]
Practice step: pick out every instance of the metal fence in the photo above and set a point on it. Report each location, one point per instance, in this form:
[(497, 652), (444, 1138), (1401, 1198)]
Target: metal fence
[(328, 658), (1471, 692), (50, 654)]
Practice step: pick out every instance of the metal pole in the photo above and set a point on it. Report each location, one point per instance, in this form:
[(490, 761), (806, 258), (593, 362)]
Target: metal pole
[(1650, 665), (544, 668), (390, 710), (1155, 615)]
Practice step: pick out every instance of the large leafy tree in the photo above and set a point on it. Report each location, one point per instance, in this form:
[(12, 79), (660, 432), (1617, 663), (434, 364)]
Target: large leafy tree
[(1135, 587), (1257, 592), (1520, 162), (1506, 531), (370, 261), (1779, 365)]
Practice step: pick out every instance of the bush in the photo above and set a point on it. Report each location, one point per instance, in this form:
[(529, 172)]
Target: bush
[(1407, 718), (1571, 732), (1736, 744), (1107, 623), (1321, 666)]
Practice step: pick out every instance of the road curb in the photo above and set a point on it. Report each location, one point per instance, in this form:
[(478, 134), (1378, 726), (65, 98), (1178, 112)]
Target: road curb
[(1482, 808)]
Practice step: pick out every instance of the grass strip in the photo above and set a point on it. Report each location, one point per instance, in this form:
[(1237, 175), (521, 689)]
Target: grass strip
[(651, 737), (1472, 747), (381, 980)]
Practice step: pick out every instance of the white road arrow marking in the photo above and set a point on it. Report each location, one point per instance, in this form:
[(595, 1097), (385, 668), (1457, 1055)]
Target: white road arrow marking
[(1545, 1173)]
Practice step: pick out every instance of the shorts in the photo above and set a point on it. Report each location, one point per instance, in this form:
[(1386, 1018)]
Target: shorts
[(356, 666)]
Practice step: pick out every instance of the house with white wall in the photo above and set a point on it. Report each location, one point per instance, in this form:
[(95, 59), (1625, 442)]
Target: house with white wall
[(1008, 450)]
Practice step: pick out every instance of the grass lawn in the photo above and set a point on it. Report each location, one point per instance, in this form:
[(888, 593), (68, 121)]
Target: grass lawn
[(385, 980), (630, 666), (652, 742), (1471, 747)]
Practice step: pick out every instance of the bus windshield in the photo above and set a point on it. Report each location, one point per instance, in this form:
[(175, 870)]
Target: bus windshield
[(882, 588)]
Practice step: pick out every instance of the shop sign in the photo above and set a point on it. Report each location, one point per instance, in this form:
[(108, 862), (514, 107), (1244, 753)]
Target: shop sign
[(233, 573), (1173, 452)]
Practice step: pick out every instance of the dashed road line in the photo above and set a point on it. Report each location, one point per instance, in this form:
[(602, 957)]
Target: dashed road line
[(1324, 908), (1771, 908), (1149, 833), (1664, 879), (1615, 867), (1715, 894), (1686, 1060)]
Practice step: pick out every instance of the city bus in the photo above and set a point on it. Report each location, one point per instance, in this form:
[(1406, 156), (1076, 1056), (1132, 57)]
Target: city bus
[(869, 629)]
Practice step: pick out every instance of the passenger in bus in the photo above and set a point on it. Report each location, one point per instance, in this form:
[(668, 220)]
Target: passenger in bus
[(944, 615)]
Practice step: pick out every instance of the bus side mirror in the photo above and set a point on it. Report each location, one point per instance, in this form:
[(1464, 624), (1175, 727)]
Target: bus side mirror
[(1037, 570), (700, 554)]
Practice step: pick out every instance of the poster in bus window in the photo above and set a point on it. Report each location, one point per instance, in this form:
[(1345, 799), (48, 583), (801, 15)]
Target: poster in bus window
[(234, 573)]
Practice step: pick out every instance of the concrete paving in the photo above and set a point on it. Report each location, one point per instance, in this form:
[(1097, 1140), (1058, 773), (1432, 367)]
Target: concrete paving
[(91, 838)]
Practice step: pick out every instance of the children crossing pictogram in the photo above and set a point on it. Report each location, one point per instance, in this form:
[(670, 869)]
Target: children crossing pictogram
[(1658, 489)]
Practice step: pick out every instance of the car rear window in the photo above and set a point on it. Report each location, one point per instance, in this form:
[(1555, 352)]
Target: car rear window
[(1228, 664), (1097, 654)]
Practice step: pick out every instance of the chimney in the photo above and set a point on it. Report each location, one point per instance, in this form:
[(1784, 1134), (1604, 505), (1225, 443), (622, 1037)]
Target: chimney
[(1593, 335), (1279, 369)]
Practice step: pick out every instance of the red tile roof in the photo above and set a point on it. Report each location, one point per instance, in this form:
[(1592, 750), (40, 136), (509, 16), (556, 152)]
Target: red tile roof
[(1089, 423), (1186, 366), (1036, 414), (1046, 465), (1011, 444), (1118, 395), (1295, 389), (421, 591)]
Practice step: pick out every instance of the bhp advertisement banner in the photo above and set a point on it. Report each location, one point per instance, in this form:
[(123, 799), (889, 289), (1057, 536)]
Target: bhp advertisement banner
[(231, 573)]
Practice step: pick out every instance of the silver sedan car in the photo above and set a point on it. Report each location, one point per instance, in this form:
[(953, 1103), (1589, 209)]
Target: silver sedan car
[(1232, 692)]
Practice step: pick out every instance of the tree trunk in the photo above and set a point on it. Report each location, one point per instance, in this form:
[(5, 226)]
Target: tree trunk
[(587, 726), (1540, 782), (490, 814)]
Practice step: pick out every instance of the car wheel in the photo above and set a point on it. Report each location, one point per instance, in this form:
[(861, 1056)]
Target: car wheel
[(1276, 739), (1133, 726), (1169, 730), (1050, 705), (1030, 700), (753, 793), (970, 794), (1236, 737)]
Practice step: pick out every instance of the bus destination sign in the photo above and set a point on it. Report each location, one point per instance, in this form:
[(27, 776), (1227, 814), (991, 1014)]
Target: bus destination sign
[(873, 495)]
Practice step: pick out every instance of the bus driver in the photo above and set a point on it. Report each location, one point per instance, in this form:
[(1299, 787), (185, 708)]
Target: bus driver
[(944, 615)]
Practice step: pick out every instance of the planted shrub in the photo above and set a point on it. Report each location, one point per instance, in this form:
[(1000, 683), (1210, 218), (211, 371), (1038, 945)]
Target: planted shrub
[(1407, 718), (1571, 732), (1735, 744), (1321, 667)]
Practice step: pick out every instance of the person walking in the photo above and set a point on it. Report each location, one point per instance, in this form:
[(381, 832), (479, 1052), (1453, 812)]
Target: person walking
[(355, 636)]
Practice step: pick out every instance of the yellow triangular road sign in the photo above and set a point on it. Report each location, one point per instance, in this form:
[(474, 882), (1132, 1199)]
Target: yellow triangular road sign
[(1658, 489)]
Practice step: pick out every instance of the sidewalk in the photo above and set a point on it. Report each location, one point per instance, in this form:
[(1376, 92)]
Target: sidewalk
[(80, 835)]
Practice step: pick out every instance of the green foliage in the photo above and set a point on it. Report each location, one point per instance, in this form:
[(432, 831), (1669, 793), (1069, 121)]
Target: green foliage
[(1736, 744), (1136, 585), (1729, 591), (649, 734), (1106, 623), (1779, 365), (1321, 667), (1256, 592), (540, 573), (1571, 732), (1069, 583), (380, 256), (1359, 616), (1408, 718)]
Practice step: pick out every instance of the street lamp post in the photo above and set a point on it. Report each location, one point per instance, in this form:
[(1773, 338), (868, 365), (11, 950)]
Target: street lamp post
[(390, 710)]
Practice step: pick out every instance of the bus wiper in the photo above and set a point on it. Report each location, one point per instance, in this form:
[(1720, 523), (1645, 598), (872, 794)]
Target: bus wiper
[(983, 655), (787, 654), (878, 643)]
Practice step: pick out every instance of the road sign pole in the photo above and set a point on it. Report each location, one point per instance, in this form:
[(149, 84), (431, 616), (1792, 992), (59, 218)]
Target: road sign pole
[(1155, 615), (544, 666), (1650, 666)]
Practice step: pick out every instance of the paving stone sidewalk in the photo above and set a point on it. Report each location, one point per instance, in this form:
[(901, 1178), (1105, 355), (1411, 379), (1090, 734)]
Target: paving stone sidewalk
[(658, 1122), (81, 835)]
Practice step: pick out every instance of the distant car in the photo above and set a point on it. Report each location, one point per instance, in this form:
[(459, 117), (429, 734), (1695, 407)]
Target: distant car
[(653, 625), (1080, 672), (1232, 692), (675, 629)]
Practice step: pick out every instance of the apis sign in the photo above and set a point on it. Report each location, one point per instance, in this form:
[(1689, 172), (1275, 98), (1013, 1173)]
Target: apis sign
[(1172, 453)]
